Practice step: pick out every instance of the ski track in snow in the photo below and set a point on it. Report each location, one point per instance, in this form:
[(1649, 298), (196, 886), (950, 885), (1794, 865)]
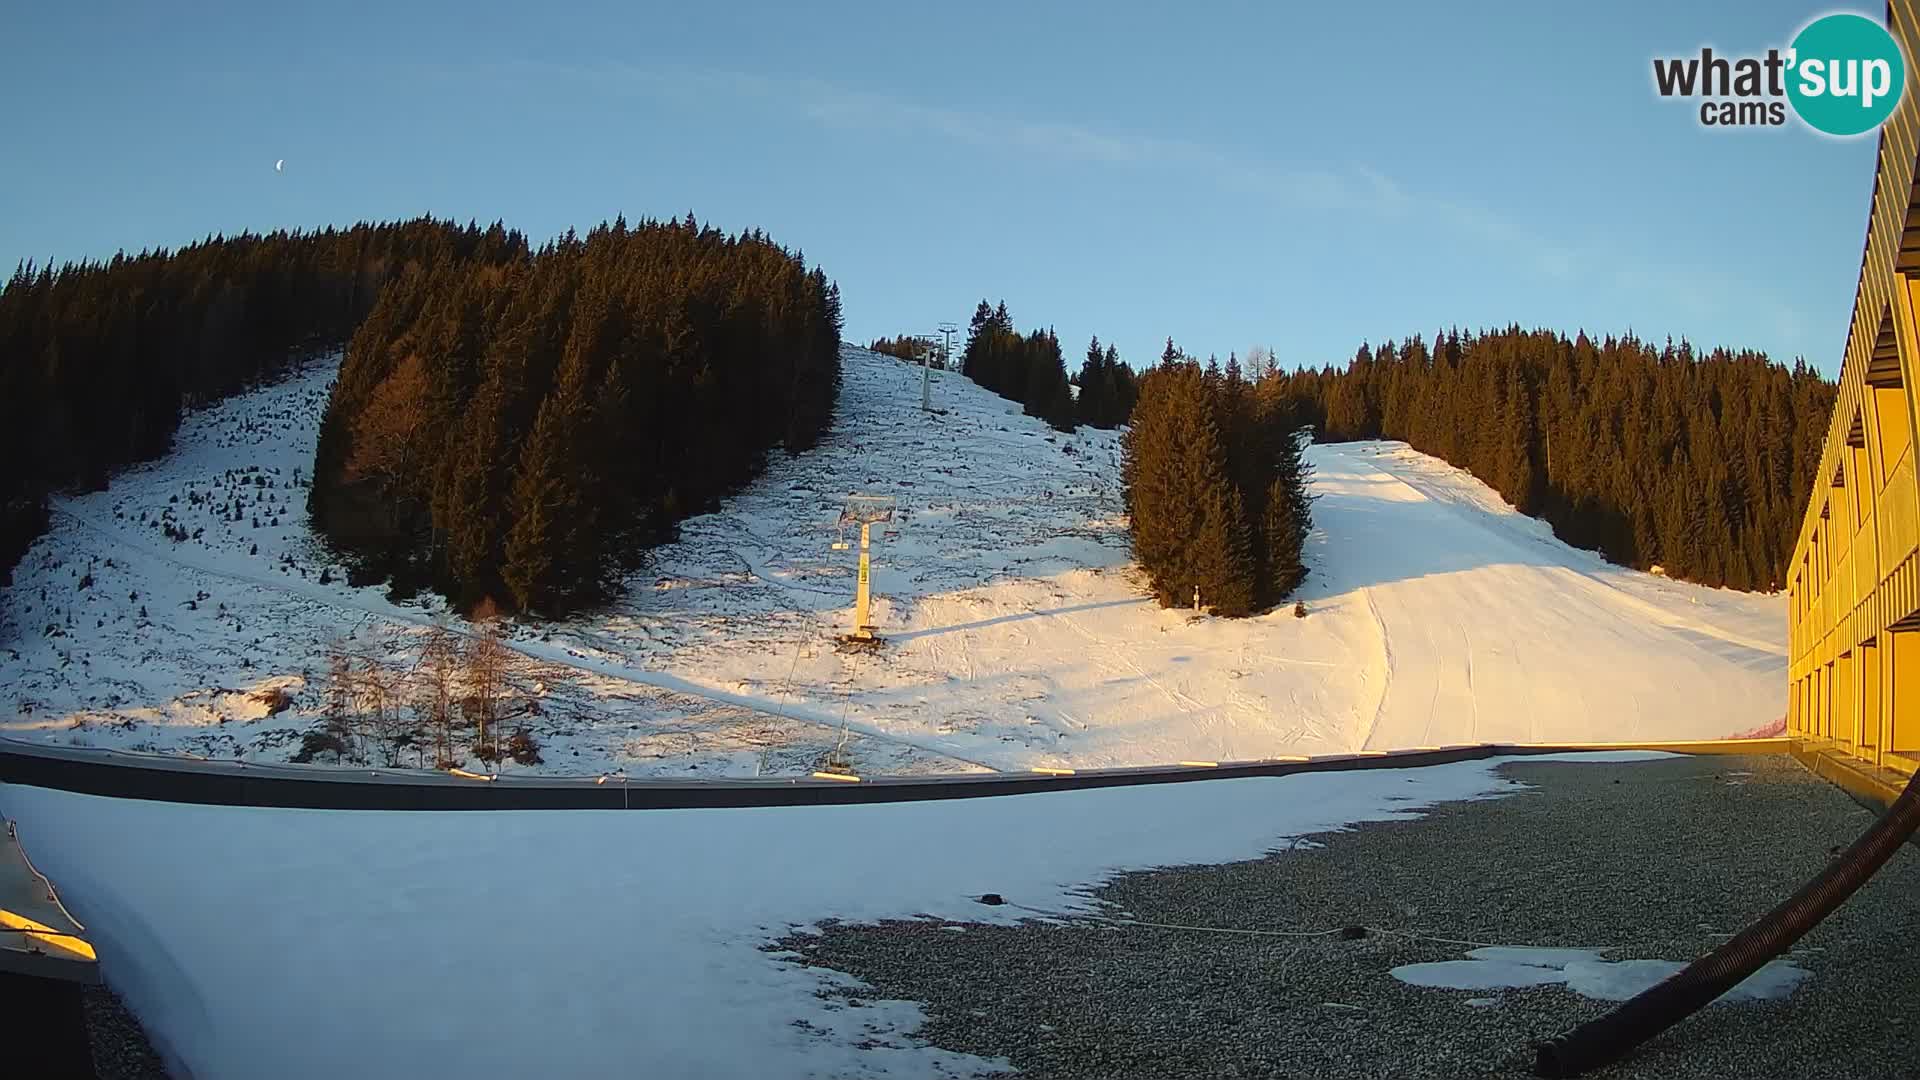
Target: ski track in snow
[(1454, 599), (1020, 635), (1385, 669)]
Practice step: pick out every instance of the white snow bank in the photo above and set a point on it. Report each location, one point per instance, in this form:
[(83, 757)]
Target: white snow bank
[(297, 943), (1584, 972)]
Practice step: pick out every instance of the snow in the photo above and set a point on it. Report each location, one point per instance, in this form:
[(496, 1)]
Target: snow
[(1478, 975), (299, 943), (1584, 972), (1019, 633)]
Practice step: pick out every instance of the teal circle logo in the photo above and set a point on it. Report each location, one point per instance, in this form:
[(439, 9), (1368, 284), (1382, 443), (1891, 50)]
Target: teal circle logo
[(1845, 74)]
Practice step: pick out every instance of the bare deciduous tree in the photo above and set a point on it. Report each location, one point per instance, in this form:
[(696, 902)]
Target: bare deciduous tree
[(379, 687), (440, 661), (343, 699), (487, 677), (1260, 362)]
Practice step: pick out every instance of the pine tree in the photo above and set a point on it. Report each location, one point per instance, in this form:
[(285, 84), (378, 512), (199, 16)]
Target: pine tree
[(973, 357), (1152, 484), (1188, 520), (1516, 443), (1095, 406), (1285, 539), (1124, 388), (621, 496), (1047, 395), (550, 562), (1221, 560), (467, 511), (1289, 512)]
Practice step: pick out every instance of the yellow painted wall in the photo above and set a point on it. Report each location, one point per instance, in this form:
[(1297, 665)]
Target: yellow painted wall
[(1854, 580), (1905, 682), (1843, 701)]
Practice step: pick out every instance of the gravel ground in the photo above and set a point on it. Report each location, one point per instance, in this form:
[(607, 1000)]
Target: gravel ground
[(120, 1047), (1659, 860)]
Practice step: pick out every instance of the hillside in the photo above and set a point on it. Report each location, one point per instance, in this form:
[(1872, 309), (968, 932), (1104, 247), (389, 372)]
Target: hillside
[(1019, 636), (1696, 460)]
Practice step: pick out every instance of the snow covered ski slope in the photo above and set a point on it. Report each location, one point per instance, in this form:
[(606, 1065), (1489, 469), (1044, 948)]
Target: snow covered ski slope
[(1491, 630), (1018, 635)]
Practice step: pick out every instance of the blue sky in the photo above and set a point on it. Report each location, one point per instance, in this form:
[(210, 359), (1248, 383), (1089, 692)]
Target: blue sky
[(1306, 176)]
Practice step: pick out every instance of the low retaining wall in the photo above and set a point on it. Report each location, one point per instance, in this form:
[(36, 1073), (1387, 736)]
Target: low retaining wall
[(120, 774)]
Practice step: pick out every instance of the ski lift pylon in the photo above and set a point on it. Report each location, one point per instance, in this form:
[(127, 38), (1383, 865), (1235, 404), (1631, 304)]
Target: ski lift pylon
[(864, 511)]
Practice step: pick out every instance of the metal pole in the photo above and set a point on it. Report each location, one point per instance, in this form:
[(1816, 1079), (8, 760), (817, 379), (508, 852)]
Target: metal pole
[(946, 360), (862, 597), (926, 379)]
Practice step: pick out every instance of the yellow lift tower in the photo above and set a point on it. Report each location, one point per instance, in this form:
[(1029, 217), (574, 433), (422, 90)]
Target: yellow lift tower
[(865, 511)]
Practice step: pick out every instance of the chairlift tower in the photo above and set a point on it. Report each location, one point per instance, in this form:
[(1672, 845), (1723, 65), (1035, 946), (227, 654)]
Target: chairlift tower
[(926, 374), (947, 330), (865, 511)]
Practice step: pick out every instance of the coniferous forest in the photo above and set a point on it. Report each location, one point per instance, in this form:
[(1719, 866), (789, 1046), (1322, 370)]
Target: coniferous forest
[(1215, 487), (906, 347), (507, 424), (1699, 463), (1028, 369), (1108, 388), (97, 359), (521, 431), (1031, 371)]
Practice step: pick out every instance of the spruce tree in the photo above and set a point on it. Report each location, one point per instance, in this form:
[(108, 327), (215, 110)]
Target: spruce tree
[(1124, 390), (1152, 488), (531, 558), (973, 356), (1188, 520), (1047, 394), (551, 561), (1286, 561), (1288, 513), (1095, 406), (467, 512)]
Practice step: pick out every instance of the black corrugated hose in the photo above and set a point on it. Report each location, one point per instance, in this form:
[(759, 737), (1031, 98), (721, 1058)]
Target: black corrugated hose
[(1613, 1036)]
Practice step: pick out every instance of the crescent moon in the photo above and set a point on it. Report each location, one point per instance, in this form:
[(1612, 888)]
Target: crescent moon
[(280, 165)]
